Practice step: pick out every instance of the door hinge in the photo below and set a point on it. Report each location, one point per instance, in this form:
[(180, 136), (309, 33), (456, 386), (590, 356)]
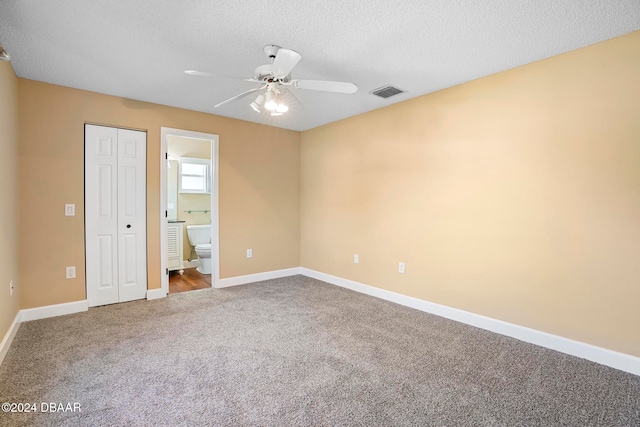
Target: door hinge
[(167, 271), (166, 214), (166, 156)]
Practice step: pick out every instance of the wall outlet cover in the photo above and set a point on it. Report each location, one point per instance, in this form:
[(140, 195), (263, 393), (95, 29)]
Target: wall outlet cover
[(70, 272), (356, 258), (249, 253), (401, 267), (69, 210)]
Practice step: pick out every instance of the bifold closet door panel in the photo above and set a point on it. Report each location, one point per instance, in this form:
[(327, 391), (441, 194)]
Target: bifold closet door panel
[(132, 214), (101, 214)]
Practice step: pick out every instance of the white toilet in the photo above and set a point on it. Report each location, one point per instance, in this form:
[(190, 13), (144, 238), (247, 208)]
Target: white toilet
[(200, 237)]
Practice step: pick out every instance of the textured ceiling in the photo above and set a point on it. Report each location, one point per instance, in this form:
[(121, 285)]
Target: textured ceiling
[(139, 49)]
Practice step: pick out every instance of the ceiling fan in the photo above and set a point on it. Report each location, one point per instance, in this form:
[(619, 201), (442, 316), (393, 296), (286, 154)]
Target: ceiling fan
[(274, 79)]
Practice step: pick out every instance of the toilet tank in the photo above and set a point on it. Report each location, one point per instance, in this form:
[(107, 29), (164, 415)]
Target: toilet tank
[(199, 234)]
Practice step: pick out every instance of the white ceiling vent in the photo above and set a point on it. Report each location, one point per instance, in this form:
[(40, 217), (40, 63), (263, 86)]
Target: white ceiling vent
[(387, 91)]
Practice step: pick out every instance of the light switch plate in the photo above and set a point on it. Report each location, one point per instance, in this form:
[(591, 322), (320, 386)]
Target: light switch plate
[(69, 210), (249, 253)]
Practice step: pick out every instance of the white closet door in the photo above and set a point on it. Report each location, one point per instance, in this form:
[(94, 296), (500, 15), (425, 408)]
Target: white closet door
[(132, 214), (115, 185), (101, 214)]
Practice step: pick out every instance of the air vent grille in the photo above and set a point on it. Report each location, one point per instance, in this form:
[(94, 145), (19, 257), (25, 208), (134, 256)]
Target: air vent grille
[(387, 91)]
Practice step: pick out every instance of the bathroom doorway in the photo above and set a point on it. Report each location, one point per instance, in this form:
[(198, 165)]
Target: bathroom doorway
[(189, 210)]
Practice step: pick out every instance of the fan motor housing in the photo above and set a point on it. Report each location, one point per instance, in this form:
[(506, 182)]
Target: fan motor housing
[(264, 74)]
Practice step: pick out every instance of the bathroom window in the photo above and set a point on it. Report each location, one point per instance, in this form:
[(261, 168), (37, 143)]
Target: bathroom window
[(194, 176)]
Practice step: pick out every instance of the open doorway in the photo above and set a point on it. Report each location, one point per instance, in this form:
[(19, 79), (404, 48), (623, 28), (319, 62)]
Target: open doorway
[(189, 210)]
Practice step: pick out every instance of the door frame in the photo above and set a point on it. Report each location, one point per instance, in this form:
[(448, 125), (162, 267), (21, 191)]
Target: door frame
[(215, 235)]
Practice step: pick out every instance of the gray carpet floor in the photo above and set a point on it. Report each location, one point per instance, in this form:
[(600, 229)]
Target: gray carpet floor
[(298, 352)]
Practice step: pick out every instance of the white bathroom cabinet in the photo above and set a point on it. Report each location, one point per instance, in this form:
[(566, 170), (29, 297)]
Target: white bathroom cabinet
[(174, 239)]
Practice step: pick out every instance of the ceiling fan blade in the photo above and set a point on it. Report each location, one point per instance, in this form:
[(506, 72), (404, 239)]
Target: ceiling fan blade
[(199, 73), (285, 60), (214, 75), (327, 86), (242, 95)]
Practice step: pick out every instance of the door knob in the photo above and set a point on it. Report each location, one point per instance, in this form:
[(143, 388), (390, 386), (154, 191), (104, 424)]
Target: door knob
[(128, 225)]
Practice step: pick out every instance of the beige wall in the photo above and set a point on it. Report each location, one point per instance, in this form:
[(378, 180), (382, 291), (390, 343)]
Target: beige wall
[(259, 187), (9, 305), (516, 196)]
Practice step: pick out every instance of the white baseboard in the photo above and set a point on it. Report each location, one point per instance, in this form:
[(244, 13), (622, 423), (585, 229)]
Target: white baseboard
[(250, 278), (621, 361), (8, 337), (155, 294), (53, 310), (603, 356)]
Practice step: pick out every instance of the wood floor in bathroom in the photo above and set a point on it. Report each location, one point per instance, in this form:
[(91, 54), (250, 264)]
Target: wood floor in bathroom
[(189, 281)]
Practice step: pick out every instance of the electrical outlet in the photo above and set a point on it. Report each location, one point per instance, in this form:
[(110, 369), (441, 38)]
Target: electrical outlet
[(69, 210), (249, 253), (11, 287), (401, 267), (356, 258), (71, 272)]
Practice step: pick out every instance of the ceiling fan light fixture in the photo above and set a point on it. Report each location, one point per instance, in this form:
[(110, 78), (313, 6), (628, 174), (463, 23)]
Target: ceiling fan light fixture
[(270, 103), (257, 103), (4, 55), (282, 108), (275, 113)]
